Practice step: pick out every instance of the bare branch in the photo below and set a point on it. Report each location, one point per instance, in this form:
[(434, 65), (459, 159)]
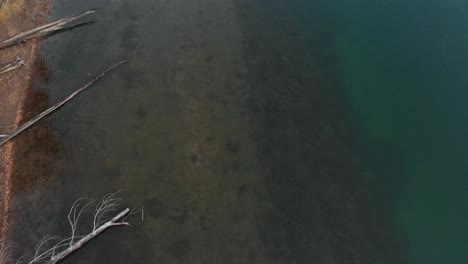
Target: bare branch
[(121, 223), (40, 244), (77, 245), (108, 204), (11, 65), (55, 107), (49, 252), (74, 221), (133, 212), (6, 252)]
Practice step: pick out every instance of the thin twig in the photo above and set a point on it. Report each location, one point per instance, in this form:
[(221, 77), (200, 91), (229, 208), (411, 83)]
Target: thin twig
[(55, 107), (74, 221), (6, 252)]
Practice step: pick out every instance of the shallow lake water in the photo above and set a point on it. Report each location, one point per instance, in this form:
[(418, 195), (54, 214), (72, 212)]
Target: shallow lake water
[(255, 131)]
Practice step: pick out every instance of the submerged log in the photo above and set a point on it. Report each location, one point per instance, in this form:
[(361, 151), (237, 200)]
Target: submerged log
[(56, 106), (11, 65), (42, 30)]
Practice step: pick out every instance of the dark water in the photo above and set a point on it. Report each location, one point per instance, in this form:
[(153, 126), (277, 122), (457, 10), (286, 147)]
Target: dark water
[(404, 67), (260, 131)]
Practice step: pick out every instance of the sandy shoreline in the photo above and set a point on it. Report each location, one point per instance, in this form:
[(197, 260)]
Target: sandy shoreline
[(15, 87)]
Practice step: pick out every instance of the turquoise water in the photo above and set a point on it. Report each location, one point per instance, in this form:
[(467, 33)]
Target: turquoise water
[(403, 66)]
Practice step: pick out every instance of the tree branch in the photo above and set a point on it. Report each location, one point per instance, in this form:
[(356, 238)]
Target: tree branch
[(11, 65), (49, 251), (6, 252), (55, 107), (77, 245)]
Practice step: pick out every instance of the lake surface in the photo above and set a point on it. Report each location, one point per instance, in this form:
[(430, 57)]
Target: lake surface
[(256, 131)]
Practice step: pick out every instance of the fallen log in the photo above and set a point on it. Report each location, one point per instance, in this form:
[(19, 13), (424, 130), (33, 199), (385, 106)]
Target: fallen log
[(115, 221), (11, 65), (42, 30), (56, 106), (51, 250)]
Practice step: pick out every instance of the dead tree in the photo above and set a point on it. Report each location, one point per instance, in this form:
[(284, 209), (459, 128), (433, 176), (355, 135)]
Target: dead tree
[(5, 138), (51, 250), (42, 30)]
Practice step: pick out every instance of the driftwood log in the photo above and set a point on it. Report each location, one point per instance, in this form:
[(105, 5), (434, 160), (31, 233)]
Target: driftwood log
[(42, 30), (53, 249), (11, 65), (115, 221), (55, 107)]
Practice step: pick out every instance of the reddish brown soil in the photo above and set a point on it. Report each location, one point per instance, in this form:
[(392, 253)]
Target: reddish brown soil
[(16, 95)]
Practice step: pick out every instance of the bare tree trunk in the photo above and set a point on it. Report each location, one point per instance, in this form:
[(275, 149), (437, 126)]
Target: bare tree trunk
[(51, 250), (77, 245), (42, 30), (11, 65), (55, 107)]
